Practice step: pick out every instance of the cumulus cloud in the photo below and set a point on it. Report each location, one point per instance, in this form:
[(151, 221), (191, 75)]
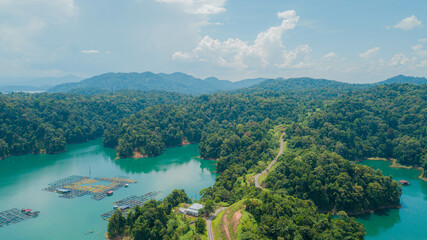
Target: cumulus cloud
[(417, 47), (408, 23), (419, 50), (330, 55), (370, 53), (266, 50), (90, 51), (27, 19), (422, 64), (205, 7), (399, 59)]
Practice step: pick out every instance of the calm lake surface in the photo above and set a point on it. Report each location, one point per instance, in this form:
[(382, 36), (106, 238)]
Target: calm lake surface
[(22, 179), (409, 222)]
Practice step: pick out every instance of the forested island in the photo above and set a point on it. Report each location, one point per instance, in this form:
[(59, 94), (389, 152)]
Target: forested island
[(328, 126)]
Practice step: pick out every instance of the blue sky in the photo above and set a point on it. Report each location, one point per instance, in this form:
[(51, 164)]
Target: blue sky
[(353, 41)]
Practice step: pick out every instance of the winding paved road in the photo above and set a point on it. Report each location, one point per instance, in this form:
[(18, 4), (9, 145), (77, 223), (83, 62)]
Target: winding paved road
[(256, 178), (209, 222)]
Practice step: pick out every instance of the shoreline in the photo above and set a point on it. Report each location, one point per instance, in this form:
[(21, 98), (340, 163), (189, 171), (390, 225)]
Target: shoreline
[(44, 151), (138, 155), (210, 159), (335, 212), (395, 164), (373, 210)]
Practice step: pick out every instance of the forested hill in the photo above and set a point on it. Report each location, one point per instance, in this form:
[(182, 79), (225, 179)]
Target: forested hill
[(305, 85), (175, 82), (333, 88), (187, 84), (405, 79)]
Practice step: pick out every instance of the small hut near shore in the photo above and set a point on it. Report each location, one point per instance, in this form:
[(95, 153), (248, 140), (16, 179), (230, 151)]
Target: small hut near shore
[(404, 182)]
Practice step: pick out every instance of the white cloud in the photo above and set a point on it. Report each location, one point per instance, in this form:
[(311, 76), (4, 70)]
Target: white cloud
[(422, 40), (370, 53), (27, 19), (89, 51), (419, 50), (422, 64), (330, 55), (417, 47), (408, 23), (399, 59), (205, 7), (266, 50)]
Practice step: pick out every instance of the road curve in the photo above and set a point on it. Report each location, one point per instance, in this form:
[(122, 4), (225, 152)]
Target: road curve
[(256, 178), (209, 222)]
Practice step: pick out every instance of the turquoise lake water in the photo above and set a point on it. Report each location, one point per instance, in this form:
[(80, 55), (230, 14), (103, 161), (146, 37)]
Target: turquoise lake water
[(407, 223), (22, 179)]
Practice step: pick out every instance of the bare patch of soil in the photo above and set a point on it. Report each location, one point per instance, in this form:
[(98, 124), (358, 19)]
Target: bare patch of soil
[(235, 220), (137, 154), (225, 224)]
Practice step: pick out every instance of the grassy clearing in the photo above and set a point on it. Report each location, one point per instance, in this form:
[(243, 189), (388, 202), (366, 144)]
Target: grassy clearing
[(246, 222), (217, 227), (238, 206), (222, 204)]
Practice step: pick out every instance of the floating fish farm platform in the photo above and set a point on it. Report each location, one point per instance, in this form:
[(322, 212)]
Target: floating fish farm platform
[(15, 215), (130, 202), (77, 186)]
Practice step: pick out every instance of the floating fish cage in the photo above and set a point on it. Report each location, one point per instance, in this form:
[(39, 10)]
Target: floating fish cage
[(78, 186), (15, 215), (129, 203)]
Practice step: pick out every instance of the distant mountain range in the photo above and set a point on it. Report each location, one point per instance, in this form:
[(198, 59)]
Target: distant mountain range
[(176, 82), (184, 83), (34, 84)]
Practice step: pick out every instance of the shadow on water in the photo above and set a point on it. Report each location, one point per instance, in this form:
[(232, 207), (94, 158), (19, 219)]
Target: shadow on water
[(169, 159), (383, 218), (407, 222)]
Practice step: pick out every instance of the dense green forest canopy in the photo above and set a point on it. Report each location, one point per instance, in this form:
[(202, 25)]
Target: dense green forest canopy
[(333, 183), (154, 220), (37, 123), (328, 127), (386, 121), (281, 216)]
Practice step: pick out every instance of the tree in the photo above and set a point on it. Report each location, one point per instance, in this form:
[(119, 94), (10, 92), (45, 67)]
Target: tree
[(116, 225), (208, 208), (200, 225)]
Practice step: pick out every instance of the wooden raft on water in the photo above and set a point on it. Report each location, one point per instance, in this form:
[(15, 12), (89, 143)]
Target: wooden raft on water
[(77, 186), (15, 215), (130, 202)]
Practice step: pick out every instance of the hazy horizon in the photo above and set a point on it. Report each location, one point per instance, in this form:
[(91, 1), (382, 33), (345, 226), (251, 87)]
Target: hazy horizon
[(355, 41)]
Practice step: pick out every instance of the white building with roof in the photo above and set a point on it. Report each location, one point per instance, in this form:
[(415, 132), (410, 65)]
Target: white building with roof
[(193, 210)]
